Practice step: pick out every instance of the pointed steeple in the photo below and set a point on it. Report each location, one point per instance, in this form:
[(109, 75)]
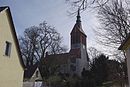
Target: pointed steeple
[(78, 36), (78, 17), (78, 25)]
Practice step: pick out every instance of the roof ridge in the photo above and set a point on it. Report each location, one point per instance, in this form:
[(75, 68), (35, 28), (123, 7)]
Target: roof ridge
[(3, 8), (57, 54)]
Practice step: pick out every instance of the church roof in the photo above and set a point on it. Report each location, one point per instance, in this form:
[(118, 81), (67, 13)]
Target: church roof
[(56, 59), (78, 25)]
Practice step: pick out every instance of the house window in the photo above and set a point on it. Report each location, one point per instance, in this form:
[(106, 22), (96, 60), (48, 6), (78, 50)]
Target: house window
[(8, 48)]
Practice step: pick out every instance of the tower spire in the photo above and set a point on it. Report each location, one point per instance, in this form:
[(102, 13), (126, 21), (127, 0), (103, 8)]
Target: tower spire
[(78, 17)]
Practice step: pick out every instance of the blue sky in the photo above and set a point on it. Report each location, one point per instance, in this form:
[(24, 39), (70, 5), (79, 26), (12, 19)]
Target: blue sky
[(27, 13)]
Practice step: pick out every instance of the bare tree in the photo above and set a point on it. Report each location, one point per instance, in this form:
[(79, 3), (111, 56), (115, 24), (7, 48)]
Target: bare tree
[(84, 4), (114, 20), (37, 40), (27, 45), (114, 23), (93, 52), (56, 47)]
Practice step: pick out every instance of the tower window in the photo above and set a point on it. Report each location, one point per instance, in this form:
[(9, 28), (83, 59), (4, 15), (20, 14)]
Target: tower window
[(8, 48), (73, 68), (73, 60)]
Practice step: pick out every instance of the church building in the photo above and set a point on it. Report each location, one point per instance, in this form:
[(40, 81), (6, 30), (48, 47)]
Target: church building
[(76, 59)]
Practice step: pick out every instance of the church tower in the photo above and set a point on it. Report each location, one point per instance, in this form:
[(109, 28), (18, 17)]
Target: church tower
[(78, 49), (78, 37)]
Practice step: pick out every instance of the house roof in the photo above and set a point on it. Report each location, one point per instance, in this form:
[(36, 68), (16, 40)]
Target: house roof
[(125, 43), (13, 33), (36, 75), (2, 8), (30, 71)]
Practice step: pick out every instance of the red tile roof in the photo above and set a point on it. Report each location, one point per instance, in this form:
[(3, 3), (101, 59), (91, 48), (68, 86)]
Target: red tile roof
[(56, 59)]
